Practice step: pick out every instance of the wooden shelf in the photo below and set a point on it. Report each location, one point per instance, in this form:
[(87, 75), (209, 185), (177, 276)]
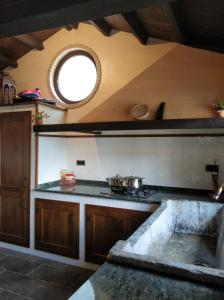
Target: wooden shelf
[(138, 128), (32, 102)]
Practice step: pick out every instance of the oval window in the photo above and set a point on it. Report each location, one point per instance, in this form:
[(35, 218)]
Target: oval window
[(75, 76)]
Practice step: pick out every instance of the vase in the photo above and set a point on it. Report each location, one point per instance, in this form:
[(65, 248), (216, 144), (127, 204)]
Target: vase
[(39, 121), (221, 113)]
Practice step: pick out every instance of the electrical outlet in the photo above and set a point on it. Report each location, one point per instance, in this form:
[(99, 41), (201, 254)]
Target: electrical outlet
[(212, 168), (80, 163)]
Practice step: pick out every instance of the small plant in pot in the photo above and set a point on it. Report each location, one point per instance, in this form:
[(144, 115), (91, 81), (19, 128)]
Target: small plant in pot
[(39, 116), (218, 105)]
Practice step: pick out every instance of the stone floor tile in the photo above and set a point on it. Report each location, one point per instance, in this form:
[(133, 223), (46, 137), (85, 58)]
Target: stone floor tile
[(67, 276), (28, 277), (4, 252), (12, 252), (18, 264), (6, 295), (45, 261), (2, 255), (50, 291), (18, 283)]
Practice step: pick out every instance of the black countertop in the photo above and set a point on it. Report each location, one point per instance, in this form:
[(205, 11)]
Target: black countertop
[(100, 189)]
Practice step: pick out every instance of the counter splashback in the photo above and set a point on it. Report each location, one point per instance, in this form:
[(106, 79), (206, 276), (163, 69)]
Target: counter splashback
[(162, 161)]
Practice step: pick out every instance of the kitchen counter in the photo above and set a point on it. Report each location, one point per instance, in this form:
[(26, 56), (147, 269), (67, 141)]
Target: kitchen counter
[(113, 282), (100, 189)]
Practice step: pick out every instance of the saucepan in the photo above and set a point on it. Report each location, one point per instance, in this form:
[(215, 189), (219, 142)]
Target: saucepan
[(132, 182), (116, 181), (127, 182)]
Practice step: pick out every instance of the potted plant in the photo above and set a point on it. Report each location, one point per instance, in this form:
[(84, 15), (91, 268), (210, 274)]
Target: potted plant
[(218, 105), (39, 116)]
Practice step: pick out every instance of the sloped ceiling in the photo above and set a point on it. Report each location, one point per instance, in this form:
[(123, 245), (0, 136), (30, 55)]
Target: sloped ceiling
[(12, 48), (194, 23)]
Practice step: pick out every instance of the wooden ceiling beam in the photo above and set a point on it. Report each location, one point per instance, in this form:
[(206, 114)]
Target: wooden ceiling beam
[(25, 16), (5, 60), (29, 40), (102, 26), (168, 9), (136, 26), (72, 26)]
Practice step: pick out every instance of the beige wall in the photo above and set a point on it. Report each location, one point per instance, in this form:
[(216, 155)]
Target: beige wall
[(186, 79)]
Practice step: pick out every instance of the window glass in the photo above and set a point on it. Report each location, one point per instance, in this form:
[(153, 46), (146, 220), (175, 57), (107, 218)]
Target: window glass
[(75, 76)]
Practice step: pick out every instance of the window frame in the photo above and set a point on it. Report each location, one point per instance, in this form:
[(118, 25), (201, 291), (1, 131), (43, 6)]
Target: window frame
[(55, 68)]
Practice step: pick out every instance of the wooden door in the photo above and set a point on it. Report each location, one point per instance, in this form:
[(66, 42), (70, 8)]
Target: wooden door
[(15, 148), (105, 226), (57, 227)]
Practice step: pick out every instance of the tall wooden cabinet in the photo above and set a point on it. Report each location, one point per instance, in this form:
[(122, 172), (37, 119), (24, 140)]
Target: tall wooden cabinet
[(105, 226), (57, 227), (15, 152)]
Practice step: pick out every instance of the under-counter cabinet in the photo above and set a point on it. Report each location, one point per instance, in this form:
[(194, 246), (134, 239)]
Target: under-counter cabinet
[(15, 151), (105, 226), (57, 227)]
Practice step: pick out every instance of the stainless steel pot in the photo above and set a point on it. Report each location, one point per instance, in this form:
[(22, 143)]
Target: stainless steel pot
[(132, 182), (116, 181)]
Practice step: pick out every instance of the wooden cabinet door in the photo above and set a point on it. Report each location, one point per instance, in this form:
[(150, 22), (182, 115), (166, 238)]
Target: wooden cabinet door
[(105, 226), (57, 227), (15, 148)]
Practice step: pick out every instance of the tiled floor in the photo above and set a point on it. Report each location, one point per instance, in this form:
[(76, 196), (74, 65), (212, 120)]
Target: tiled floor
[(23, 276)]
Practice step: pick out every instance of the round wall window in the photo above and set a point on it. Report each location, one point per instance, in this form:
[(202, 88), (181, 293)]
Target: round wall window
[(75, 76)]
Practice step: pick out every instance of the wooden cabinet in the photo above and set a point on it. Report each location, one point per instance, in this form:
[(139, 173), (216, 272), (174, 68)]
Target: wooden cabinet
[(15, 149), (105, 226), (57, 227)]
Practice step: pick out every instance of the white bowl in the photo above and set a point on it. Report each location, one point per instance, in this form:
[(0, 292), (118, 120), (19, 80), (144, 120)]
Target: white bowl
[(140, 111)]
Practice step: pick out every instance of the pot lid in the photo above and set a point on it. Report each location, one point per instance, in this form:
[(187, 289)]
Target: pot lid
[(115, 177), (133, 177)]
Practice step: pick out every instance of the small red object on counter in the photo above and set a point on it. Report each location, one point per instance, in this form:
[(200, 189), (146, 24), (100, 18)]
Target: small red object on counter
[(67, 178)]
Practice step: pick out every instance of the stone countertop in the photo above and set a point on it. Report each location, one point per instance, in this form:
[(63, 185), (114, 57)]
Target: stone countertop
[(101, 190), (113, 282)]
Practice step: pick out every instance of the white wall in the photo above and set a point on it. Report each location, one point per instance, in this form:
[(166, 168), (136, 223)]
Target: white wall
[(163, 161), (53, 152), (56, 116), (53, 156), (178, 162)]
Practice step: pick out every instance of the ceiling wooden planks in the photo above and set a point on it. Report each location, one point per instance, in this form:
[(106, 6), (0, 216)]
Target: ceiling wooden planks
[(158, 22), (136, 26), (117, 23), (201, 23), (103, 26), (30, 41), (26, 16), (194, 23), (12, 48), (72, 26), (7, 61)]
